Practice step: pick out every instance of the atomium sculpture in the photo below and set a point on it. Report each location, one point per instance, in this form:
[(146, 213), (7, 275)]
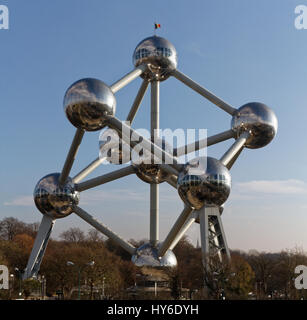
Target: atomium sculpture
[(203, 184)]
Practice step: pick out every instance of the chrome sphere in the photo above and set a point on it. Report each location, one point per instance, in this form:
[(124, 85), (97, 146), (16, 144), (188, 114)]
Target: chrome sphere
[(147, 256), (260, 120), (87, 102), (148, 167), (114, 149), (54, 200), (159, 55), (204, 181)]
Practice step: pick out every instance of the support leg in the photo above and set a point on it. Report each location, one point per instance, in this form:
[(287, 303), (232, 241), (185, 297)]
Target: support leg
[(213, 238), (39, 247), (204, 236)]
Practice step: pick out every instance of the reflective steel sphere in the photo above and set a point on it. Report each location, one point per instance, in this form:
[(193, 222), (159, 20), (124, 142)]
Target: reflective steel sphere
[(87, 102), (113, 148), (204, 181), (260, 120), (147, 256), (54, 200), (148, 167), (159, 55)]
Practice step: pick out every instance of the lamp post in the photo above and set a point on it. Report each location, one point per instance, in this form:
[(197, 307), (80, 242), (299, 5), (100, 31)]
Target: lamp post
[(11, 285), (80, 268), (19, 277), (42, 280), (103, 286)]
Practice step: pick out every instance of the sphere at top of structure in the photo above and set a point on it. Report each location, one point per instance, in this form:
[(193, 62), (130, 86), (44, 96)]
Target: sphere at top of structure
[(147, 256), (159, 55), (148, 167), (113, 148), (259, 120), (54, 200), (87, 102), (204, 181)]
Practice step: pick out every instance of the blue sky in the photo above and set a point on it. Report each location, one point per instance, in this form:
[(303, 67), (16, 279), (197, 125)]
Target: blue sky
[(240, 50)]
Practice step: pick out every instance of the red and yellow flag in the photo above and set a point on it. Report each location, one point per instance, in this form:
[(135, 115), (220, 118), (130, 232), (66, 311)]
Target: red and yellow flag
[(157, 25)]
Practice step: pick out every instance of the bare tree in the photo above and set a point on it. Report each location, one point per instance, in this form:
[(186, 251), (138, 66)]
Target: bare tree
[(75, 235), (10, 227)]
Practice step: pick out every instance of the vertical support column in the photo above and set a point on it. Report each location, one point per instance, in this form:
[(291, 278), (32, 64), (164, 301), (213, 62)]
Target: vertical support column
[(204, 236), (222, 237), (215, 240), (154, 188), (219, 238)]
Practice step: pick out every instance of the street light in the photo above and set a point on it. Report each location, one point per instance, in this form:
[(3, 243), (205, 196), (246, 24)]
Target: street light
[(11, 285), (80, 268), (19, 277), (103, 286)]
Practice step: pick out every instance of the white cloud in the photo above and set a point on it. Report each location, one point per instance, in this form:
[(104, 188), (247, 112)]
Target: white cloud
[(21, 201), (98, 196), (278, 187), (195, 48), (111, 195)]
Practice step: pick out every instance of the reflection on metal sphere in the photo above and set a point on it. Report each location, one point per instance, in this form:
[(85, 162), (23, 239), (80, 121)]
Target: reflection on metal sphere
[(260, 120), (147, 256), (221, 209), (87, 102), (148, 167), (204, 181), (113, 148), (55, 200), (159, 55)]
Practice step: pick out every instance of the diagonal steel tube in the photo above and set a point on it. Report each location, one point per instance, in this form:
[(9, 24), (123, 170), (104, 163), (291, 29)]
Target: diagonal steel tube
[(126, 132), (234, 149), (170, 170), (117, 174), (39, 247), (93, 165), (204, 92), (137, 101), (175, 230), (103, 229), (86, 171), (234, 159), (197, 145), (71, 156), (191, 219), (128, 78), (172, 180)]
